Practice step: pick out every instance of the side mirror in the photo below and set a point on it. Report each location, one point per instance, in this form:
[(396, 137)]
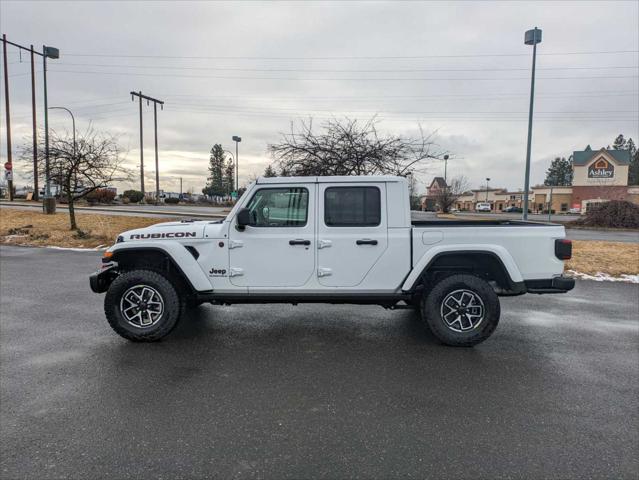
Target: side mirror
[(243, 218)]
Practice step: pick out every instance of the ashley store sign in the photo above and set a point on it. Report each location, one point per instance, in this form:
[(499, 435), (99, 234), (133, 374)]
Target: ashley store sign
[(602, 168)]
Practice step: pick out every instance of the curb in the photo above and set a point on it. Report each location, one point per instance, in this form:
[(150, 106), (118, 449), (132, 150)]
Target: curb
[(151, 213)]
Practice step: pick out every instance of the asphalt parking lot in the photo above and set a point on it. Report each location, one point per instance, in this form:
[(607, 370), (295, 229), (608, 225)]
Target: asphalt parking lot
[(311, 391)]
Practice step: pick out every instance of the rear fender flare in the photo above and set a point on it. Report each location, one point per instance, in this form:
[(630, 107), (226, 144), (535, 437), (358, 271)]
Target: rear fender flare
[(498, 251)]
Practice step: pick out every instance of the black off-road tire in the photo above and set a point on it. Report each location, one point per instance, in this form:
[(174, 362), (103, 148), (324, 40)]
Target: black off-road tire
[(172, 311), (431, 310)]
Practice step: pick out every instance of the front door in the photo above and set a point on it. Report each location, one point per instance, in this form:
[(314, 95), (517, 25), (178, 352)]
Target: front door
[(352, 232), (278, 248)]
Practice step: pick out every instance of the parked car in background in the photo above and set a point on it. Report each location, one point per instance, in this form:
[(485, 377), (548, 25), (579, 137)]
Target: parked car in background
[(513, 209), (575, 210), (483, 207)]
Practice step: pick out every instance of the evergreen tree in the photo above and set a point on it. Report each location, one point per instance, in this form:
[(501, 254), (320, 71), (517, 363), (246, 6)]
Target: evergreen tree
[(270, 172), (559, 173), (633, 170), (215, 184), (619, 143), (229, 177)]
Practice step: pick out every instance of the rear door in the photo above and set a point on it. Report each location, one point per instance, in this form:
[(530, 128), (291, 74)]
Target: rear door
[(278, 249), (352, 232)]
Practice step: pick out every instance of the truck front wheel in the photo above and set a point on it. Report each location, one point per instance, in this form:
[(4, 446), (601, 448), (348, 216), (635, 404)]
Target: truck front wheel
[(142, 305), (461, 310)]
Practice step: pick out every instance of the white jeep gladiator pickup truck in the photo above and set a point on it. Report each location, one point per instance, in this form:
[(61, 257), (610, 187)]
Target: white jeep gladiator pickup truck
[(330, 240)]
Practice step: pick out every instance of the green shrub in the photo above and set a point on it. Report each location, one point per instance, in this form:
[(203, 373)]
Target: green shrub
[(172, 201), (134, 196)]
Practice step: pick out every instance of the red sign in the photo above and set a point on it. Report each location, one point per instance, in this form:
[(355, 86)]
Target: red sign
[(8, 166)]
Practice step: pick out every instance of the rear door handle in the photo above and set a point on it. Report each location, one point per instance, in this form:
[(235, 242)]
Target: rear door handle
[(366, 241), (299, 242)]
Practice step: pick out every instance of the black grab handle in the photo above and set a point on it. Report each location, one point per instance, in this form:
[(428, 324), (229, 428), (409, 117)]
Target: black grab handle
[(299, 242), (366, 242)]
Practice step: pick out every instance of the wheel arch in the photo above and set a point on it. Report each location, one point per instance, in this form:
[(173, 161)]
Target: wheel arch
[(174, 260), (492, 263)]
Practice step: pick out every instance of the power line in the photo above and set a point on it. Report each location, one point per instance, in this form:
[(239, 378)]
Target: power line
[(363, 57), (315, 70), (411, 97), (223, 77)]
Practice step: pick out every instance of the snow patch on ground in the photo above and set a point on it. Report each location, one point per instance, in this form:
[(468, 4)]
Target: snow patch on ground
[(604, 277), (79, 249)]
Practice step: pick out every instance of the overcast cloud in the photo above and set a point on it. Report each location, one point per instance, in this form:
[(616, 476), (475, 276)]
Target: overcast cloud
[(250, 68)]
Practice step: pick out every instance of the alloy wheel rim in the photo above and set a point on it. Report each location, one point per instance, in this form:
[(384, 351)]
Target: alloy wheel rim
[(142, 306), (462, 310)]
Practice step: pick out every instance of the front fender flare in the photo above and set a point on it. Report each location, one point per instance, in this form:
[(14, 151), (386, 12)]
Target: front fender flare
[(180, 256), (500, 252)]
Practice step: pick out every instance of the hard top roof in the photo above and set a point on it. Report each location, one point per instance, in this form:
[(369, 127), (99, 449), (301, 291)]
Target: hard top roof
[(335, 179)]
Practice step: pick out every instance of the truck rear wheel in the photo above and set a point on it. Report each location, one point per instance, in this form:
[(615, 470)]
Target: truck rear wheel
[(142, 305), (461, 310)]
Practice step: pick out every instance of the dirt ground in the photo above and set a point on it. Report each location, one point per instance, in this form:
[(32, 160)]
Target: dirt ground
[(613, 258), (21, 227)]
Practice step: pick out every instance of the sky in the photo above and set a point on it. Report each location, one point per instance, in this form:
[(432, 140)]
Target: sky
[(459, 69)]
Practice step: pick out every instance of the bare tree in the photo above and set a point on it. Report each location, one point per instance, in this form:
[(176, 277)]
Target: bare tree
[(94, 162), (349, 147), (448, 195)]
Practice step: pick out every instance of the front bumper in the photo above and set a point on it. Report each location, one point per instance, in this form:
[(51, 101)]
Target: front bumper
[(100, 280), (559, 284)]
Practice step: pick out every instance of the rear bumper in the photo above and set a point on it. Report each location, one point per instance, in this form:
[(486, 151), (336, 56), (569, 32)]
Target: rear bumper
[(559, 284), (100, 280)]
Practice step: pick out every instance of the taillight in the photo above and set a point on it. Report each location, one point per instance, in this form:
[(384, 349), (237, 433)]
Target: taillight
[(563, 249)]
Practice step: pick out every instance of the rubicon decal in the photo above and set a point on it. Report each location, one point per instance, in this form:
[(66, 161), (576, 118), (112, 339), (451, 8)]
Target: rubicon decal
[(143, 236)]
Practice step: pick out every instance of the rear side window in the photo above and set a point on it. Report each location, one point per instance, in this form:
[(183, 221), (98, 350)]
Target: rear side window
[(352, 207), (279, 207)]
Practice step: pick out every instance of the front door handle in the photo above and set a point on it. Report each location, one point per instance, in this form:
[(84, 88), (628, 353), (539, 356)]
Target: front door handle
[(299, 241), (366, 241)]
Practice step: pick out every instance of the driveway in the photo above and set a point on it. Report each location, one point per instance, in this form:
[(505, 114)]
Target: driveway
[(312, 391)]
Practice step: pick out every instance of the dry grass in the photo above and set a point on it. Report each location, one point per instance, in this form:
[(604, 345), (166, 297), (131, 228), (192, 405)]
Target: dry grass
[(613, 258), (26, 227)]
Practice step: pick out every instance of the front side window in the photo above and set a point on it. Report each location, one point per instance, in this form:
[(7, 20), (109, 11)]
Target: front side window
[(352, 207), (279, 207)]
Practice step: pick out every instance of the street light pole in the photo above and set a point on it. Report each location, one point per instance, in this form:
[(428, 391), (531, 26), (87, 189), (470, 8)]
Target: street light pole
[(73, 122), (445, 168), (237, 141), (234, 162), (532, 37), (48, 202)]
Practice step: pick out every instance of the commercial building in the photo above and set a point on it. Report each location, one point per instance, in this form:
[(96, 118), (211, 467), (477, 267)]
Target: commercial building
[(598, 176)]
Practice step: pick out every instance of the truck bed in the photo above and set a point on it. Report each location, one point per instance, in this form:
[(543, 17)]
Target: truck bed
[(448, 222)]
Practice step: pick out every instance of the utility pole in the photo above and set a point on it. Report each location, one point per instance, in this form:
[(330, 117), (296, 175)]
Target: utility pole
[(9, 164), (180, 188), (157, 171), (36, 189), (155, 123)]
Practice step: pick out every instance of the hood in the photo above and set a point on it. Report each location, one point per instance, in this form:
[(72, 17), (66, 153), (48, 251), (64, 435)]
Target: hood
[(167, 231)]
